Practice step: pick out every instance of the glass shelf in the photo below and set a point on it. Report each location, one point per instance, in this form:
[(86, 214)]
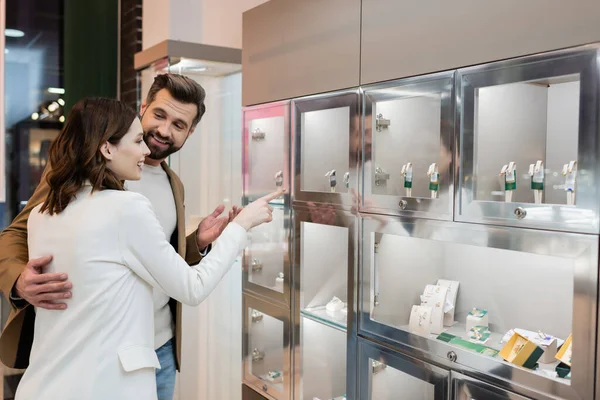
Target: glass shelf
[(336, 319)]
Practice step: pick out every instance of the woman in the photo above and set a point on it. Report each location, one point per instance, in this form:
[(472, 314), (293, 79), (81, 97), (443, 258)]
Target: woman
[(111, 244)]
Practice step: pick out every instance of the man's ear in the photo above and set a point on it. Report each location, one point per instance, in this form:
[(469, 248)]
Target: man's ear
[(192, 130), (143, 107), (106, 151)]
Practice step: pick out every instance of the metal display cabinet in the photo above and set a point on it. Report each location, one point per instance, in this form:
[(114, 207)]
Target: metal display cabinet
[(425, 284), (408, 146), (266, 156), (387, 375), (267, 348), (327, 146), (324, 265), (529, 142)]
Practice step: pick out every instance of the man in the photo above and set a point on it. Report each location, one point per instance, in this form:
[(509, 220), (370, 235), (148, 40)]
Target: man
[(172, 110)]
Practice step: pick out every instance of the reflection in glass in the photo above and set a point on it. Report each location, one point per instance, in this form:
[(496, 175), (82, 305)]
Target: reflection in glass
[(265, 349), (526, 141)]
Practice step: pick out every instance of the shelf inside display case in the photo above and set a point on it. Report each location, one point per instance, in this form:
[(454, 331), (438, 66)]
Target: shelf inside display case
[(510, 295)]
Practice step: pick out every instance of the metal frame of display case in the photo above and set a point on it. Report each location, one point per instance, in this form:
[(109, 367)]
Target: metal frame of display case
[(584, 217), (438, 377), (441, 84), (265, 292), (283, 315), (580, 246), (574, 239), (345, 98), (277, 109), (466, 388), (328, 216), (271, 110)]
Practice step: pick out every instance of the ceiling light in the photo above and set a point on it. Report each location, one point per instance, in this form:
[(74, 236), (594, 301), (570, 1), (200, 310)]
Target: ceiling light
[(62, 118), (56, 90), (13, 33), (5, 51), (35, 116), (61, 102), (53, 106)]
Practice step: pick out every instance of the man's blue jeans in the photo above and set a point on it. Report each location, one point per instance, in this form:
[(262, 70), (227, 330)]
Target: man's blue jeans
[(165, 376)]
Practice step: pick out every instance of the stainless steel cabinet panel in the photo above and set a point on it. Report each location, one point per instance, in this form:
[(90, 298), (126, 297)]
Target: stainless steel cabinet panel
[(527, 279), (408, 144), (402, 38), (266, 348), (521, 112), (387, 375), (298, 48), (327, 146)]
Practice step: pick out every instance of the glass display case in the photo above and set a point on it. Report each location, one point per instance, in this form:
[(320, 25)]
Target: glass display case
[(324, 261), (266, 269), (478, 295), (266, 161), (385, 374), (408, 145), (466, 388), (529, 142), (266, 348), (327, 147)]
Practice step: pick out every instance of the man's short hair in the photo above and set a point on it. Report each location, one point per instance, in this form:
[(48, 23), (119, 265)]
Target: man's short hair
[(183, 89)]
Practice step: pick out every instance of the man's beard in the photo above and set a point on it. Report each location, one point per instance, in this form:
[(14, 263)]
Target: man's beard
[(159, 153)]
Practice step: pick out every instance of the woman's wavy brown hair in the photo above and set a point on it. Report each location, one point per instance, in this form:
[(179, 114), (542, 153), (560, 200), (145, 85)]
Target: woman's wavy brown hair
[(75, 156)]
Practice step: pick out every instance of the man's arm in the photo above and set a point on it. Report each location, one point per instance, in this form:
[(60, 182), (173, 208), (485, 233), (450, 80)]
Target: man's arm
[(199, 242), (14, 259)]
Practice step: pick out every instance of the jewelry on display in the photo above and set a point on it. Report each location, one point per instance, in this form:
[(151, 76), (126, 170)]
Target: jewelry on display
[(570, 173), (257, 316), (381, 176), (336, 304), (279, 179), (257, 134), (434, 180), (407, 174), (256, 265), (377, 366), (381, 122), (536, 171), (257, 355), (509, 172), (332, 180)]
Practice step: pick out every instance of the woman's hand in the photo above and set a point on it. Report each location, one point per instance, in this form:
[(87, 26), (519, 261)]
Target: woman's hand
[(257, 212)]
